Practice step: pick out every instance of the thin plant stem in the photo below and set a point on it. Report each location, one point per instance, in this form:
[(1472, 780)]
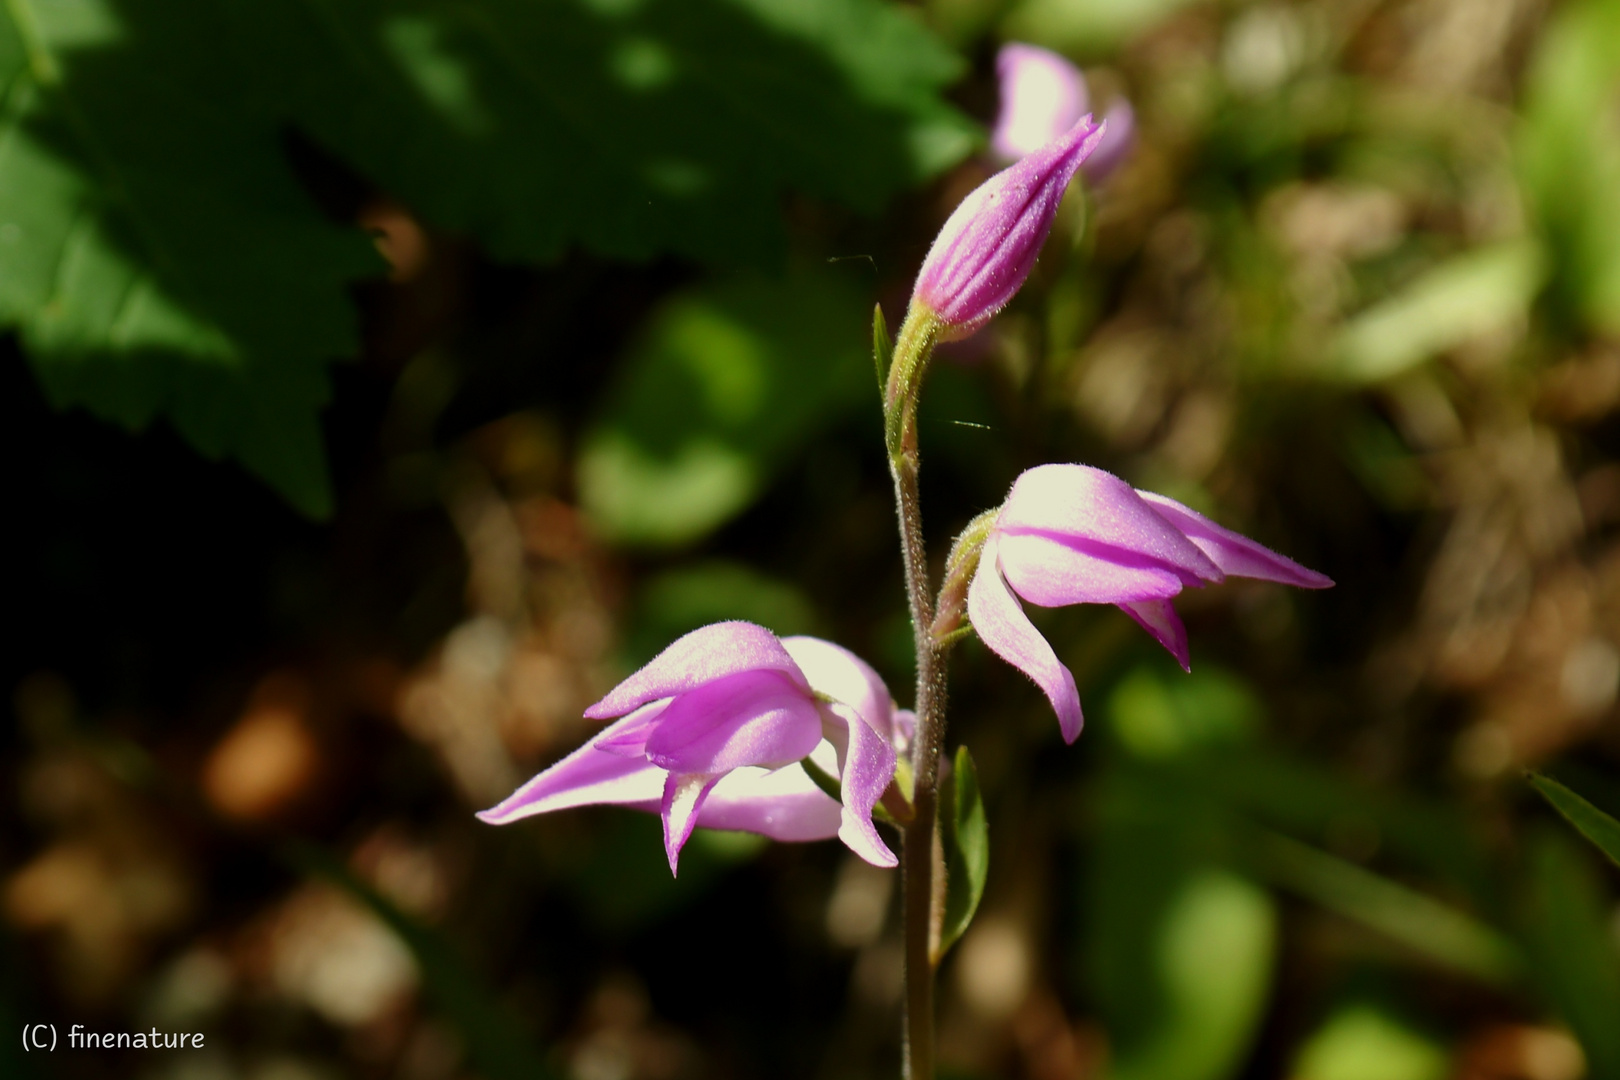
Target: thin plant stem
[(918, 885)]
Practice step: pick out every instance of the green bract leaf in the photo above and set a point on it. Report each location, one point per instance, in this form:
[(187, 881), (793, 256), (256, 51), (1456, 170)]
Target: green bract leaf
[(882, 346), (965, 837), (156, 251), (1592, 823)]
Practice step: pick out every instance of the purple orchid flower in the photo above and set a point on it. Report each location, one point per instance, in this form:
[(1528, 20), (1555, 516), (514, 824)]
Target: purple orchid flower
[(1072, 534), (712, 732), (1042, 96), (988, 245)]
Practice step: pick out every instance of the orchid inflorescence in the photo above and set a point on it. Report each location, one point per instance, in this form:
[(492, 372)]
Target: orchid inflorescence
[(796, 738)]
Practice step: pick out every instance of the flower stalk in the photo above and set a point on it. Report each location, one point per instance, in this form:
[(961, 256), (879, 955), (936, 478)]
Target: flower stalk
[(911, 355)]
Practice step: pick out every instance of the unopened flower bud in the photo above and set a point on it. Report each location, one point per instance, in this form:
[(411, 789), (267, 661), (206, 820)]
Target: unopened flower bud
[(988, 246)]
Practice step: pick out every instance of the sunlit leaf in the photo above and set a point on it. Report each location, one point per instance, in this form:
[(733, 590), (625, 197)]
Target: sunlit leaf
[(1363, 1042), (1454, 302), (1592, 823), (1569, 156), (965, 837), (728, 380)]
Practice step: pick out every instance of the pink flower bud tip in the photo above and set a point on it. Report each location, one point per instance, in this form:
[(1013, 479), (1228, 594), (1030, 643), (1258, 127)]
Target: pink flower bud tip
[(988, 245)]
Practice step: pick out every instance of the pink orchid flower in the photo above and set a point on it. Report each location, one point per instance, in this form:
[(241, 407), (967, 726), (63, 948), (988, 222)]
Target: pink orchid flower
[(1072, 534), (712, 731)]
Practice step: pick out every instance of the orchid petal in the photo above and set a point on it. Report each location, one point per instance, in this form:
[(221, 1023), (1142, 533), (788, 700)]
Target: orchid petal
[(699, 658), (684, 795), (841, 675), (1159, 618), (628, 737), (1054, 572), (586, 777), (749, 718), (784, 804), (1232, 552), (1042, 96), (1002, 625), (864, 774), (1083, 503)]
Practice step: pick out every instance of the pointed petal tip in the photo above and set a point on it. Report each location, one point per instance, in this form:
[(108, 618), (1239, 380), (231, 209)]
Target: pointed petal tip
[(862, 838)]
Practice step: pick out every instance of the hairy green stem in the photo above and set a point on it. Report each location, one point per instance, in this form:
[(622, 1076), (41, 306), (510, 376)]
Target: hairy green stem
[(912, 351)]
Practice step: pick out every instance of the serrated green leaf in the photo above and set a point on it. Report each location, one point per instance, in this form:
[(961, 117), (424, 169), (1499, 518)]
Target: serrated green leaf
[(1589, 821), (631, 127), (156, 251), (965, 837)]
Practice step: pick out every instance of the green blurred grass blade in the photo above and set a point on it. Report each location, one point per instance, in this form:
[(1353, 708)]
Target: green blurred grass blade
[(1569, 156), (1453, 302), (1589, 821), (1567, 928), (1425, 925), (965, 837), (495, 1040)]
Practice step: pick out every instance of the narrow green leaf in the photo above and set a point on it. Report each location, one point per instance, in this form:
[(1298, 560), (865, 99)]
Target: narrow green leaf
[(1566, 929), (1439, 931), (823, 779), (882, 347), (966, 840), (1589, 821)]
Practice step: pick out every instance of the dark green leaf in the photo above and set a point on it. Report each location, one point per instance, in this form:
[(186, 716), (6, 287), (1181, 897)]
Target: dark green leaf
[(631, 127), (965, 837), (156, 251), (1567, 928), (1589, 821)]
